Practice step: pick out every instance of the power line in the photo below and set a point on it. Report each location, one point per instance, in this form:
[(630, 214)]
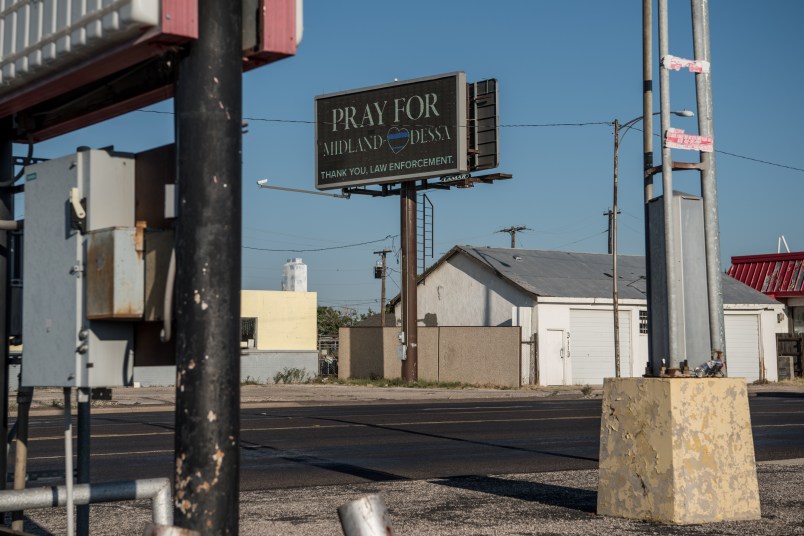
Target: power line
[(604, 231), (547, 125), (510, 125), (735, 155), (348, 302), (759, 161), (319, 249), (312, 122)]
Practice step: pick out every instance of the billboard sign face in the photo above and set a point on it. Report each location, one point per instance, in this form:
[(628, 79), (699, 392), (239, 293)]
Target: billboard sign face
[(391, 133)]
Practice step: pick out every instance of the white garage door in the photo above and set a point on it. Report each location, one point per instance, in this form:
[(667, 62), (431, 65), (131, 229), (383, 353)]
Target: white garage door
[(592, 345), (742, 346)]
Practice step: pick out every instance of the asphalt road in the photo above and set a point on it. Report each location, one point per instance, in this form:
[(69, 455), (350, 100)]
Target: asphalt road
[(328, 445)]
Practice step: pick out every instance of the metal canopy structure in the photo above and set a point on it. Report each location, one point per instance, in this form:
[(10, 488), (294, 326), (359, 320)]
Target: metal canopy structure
[(125, 74), (779, 275)]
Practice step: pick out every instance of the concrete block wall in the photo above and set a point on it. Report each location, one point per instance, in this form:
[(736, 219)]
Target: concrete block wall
[(254, 366), (473, 355)]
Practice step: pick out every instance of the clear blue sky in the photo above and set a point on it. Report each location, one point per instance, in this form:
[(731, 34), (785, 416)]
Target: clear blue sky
[(572, 61)]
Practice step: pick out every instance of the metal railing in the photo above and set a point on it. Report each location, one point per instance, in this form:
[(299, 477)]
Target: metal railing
[(159, 490)]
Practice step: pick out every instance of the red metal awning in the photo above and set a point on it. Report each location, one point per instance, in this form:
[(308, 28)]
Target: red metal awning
[(128, 75), (778, 275)]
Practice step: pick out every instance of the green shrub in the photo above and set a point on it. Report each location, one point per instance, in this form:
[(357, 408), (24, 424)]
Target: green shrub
[(291, 375)]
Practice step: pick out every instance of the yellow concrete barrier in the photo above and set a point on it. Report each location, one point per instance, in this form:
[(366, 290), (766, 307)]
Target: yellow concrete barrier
[(677, 451)]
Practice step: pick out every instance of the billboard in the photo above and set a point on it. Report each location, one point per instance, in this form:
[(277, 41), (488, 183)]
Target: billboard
[(391, 133)]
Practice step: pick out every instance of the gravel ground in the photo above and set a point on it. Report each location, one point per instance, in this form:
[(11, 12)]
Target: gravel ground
[(560, 503)]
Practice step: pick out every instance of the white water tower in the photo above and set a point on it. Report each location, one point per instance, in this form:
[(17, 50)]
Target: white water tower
[(294, 276)]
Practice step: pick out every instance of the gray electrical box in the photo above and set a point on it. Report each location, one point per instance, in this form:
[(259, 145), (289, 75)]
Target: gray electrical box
[(73, 204), (692, 306)]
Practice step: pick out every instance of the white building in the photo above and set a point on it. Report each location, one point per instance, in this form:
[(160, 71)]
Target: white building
[(563, 301)]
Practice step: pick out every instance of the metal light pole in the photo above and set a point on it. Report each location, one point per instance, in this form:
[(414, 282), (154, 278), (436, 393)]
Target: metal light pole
[(703, 87), (614, 288), (674, 350)]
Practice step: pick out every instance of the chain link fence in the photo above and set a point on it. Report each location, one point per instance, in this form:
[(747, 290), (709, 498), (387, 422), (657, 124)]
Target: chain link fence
[(328, 355)]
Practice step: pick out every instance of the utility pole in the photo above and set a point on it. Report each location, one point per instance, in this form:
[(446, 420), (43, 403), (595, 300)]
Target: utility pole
[(382, 253), (209, 110), (513, 230), (647, 156), (612, 250), (613, 243)]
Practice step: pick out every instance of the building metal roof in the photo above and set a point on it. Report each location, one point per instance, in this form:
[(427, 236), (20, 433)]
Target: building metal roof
[(567, 274), (779, 275)]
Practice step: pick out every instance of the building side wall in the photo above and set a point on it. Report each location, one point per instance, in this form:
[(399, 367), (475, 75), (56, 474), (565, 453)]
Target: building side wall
[(473, 355), (368, 352), (285, 320), (479, 355), (428, 362), (462, 293), (255, 366)]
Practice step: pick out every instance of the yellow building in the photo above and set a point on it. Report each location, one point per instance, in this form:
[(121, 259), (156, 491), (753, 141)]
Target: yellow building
[(282, 320), (280, 329)]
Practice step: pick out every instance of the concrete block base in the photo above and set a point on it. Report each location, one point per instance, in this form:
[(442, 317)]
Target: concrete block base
[(677, 451)]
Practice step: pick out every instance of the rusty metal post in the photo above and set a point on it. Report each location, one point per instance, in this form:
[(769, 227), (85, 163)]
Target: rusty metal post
[(208, 106), (410, 365)]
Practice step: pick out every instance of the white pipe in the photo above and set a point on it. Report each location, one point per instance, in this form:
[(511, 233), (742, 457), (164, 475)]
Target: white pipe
[(167, 314), (10, 225), (779, 243), (366, 516), (157, 489)]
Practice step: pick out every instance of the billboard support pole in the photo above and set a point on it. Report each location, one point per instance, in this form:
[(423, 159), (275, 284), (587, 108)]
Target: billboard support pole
[(410, 364), (208, 103)]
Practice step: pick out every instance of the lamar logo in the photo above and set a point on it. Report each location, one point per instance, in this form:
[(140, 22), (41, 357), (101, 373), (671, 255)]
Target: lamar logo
[(397, 138)]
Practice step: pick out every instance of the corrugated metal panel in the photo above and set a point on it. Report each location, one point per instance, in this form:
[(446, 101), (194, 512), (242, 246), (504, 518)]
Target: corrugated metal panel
[(39, 36), (584, 275), (777, 275)]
